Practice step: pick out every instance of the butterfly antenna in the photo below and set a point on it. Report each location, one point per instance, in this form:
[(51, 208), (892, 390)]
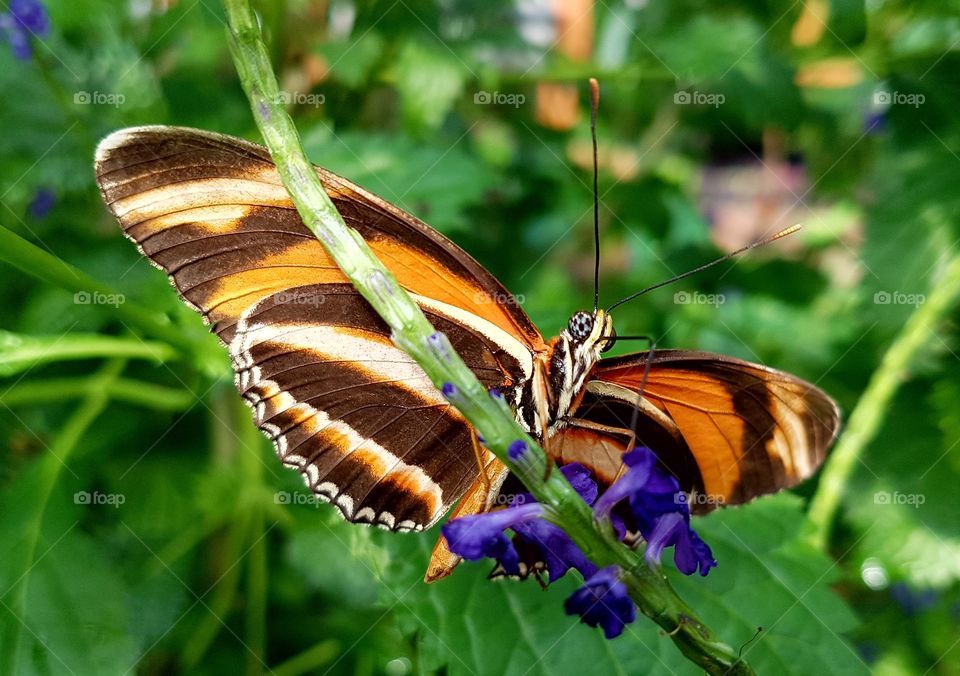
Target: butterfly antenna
[(594, 105), (761, 242)]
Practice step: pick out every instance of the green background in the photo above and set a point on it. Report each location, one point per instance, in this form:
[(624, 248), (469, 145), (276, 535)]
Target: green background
[(145, 525)]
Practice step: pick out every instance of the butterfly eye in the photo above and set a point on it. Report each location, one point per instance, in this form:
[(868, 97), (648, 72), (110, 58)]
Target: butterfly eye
[(581, 325)]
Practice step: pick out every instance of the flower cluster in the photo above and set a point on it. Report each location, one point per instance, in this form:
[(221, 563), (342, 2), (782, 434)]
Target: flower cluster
[(661, 512), (658, 510), (23, 19)]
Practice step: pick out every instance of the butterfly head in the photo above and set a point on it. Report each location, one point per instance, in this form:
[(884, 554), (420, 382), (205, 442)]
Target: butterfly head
[(592, 331)]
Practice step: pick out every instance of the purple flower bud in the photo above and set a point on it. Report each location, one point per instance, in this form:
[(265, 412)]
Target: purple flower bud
[(439, 345), (380, 285), (517, 449), (42, 203), (31, 15), (448, 390), (603, 601), (26, 18)]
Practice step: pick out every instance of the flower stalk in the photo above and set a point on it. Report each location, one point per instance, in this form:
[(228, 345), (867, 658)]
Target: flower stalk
[(411, 331), (868, 416)]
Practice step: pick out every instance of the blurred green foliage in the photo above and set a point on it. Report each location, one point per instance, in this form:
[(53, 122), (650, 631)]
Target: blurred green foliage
[(146, 526)]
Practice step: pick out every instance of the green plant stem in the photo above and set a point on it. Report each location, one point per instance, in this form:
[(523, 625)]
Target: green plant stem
[(138, 392), (867, 417), (412, 333), (19, 352), (51, 466), (36, 262), (309, 661)]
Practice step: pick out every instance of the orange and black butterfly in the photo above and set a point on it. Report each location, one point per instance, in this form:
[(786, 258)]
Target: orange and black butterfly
[(360, 420)]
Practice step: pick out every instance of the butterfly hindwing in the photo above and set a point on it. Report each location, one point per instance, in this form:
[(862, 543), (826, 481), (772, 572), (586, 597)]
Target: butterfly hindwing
[(728, 430), (357, 417)]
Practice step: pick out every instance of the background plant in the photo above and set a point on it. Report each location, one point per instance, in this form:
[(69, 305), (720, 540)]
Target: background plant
[(217, 560)]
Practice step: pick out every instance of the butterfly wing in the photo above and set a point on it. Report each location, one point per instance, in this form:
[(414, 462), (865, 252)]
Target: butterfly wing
[(355, 415), (727, 429)]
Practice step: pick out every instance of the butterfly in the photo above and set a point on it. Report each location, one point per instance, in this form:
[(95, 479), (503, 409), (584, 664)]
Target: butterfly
[(360, 420)]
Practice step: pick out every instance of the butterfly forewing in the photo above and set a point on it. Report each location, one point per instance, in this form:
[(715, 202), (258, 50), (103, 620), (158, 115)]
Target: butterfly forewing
[(354, 414)]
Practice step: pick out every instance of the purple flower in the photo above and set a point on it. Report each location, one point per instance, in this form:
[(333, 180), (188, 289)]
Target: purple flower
[(479, 536), (25, 18), (913, 602), (42, 203), (660, 510), (558, 551), (603, 601)]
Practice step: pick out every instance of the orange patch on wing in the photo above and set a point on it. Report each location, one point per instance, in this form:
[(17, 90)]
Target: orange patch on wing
[(430, 278), (600, 452), (703, 409)]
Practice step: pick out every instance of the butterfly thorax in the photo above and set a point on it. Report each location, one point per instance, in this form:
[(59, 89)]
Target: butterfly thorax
[(560, 374)]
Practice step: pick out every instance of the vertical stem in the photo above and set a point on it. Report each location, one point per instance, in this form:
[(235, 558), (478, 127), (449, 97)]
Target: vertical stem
[(868, 415)]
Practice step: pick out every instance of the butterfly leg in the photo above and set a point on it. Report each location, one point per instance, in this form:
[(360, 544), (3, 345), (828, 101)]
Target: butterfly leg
[(479, 453)]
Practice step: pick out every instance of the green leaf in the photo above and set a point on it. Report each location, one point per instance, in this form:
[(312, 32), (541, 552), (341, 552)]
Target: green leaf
[(435, 180), (848, 21), (65, 610), (769, 577), (430, 78), (351, 62)]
